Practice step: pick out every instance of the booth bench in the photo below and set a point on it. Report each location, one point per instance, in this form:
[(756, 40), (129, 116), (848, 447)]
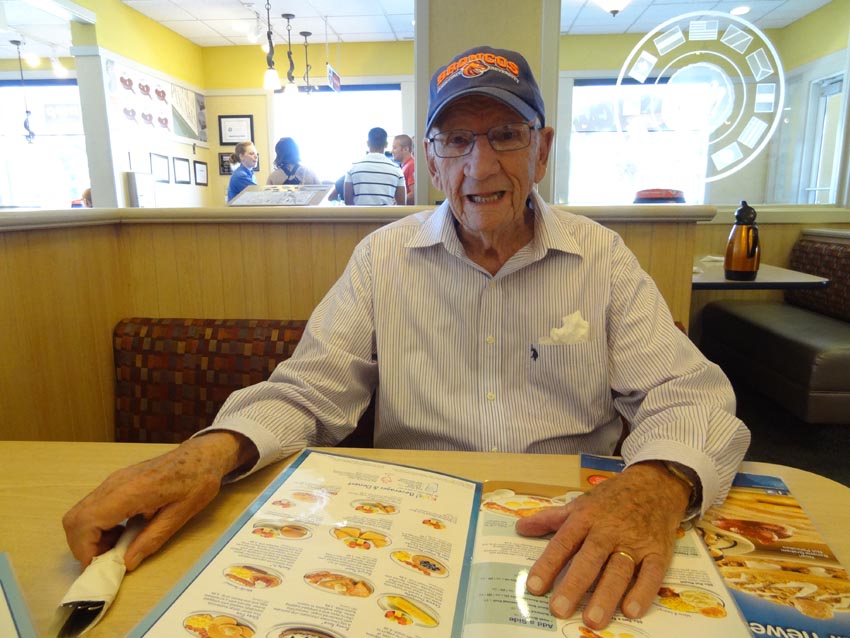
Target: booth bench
[(796, 351)]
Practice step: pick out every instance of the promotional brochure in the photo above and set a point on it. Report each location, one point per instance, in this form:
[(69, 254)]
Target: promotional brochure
[(780, 571), (341, 547), (15, 621)]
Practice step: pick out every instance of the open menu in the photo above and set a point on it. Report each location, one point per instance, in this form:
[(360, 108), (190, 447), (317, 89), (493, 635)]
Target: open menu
[(782, 575), (15, 621), (342, 547)]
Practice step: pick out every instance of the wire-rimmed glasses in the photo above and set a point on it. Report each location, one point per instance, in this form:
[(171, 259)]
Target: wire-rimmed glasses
[(505, 137)]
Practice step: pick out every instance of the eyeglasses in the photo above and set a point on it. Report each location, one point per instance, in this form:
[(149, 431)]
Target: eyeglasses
[(507, 137)]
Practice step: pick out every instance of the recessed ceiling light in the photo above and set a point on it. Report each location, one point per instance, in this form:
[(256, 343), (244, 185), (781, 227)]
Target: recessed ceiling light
[(740, 11)]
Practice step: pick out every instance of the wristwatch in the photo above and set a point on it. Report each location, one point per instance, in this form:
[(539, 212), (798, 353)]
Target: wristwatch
[(690, 478)]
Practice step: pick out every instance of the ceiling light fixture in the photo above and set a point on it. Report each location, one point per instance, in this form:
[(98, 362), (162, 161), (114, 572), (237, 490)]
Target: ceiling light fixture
[(271, 80), (307, 66), (740, 11), (613, 6), (30, 136), (59, 69), (291, 88)]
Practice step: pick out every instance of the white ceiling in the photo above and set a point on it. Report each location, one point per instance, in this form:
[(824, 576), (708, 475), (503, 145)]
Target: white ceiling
[(242, 22)]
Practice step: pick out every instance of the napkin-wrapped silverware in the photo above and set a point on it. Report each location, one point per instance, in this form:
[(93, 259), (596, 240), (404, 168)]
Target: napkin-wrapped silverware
[(94, 590)]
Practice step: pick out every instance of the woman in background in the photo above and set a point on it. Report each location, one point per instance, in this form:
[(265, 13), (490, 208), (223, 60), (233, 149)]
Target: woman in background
[(288, 169), (243, 176)]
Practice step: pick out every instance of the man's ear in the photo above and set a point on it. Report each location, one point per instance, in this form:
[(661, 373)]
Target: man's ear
[(544, 148), (433, 170)]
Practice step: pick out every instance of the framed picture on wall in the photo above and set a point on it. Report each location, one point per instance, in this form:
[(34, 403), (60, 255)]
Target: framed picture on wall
[(182, 171), (160, 168), (233, 129), (201, 177), (224, 165)]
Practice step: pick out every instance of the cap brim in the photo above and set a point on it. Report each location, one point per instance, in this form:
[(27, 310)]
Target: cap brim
[(505, 97)]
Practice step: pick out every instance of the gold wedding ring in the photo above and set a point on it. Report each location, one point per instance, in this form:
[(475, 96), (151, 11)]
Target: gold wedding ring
[(627, 555)]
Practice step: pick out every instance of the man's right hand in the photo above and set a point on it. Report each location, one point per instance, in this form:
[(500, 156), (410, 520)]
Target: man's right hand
[(167, 490)]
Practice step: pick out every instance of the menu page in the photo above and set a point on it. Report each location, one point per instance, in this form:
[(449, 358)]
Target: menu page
[(14, 618), (692, 600), (336, 547), (782, 574)]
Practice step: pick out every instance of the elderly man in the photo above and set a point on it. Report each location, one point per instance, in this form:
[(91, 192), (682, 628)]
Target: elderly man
[(493, 323)]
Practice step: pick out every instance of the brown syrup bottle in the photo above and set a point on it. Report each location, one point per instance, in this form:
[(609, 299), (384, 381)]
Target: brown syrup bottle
[(742, 249)]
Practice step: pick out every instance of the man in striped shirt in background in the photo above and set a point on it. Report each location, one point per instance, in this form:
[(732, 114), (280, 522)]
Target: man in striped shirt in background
[(494, 322), (375, 180)]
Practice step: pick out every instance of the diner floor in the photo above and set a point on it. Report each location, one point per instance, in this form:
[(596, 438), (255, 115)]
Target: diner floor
[(780, 437)]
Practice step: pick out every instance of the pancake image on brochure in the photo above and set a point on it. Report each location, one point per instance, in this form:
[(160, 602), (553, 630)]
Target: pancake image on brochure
[(405, 611), (613, 630), (252, 577), (302, 500), (420, 563), (816, 591), (341, 583), (357, 538), (301, 631), (374, 507), (687, 599), (508, 503), (281, 529), (210, 624), (722, 543)]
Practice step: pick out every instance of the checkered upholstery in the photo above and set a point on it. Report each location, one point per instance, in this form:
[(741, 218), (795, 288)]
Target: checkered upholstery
[(826, 259), (173, 375)]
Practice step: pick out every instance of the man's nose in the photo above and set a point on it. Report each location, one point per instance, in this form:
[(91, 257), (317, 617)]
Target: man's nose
[(482, 160)]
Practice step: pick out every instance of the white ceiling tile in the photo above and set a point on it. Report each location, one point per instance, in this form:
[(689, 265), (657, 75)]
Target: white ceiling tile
[(360, 24), (367, 37), (159, 9), (345, 7), (397, 7), (191, 29)]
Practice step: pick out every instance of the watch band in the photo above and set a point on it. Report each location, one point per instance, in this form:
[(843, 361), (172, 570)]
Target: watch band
[(690, 478)]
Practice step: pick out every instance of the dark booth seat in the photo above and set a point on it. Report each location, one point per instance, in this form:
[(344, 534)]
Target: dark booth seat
[(796, 352)]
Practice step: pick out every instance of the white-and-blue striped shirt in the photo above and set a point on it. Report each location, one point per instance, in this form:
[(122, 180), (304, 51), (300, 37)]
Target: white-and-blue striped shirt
[(375, 179), (457, 354)]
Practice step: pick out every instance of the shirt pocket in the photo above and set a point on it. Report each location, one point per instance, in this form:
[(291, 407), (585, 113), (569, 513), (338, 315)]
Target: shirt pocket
[(568, 381)]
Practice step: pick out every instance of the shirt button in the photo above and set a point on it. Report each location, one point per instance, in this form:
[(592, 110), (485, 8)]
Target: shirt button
[(491, 396), (491, 340)]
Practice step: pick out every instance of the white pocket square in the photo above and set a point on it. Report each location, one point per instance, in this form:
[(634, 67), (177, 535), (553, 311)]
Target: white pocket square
[(574, 329)]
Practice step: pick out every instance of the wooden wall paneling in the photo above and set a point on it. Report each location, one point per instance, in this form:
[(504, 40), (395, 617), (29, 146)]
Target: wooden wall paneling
[(278, 279), (211, 270), (188, 271), (136, 253), (299, 248), (21, 377), (255, 253), (232, 271), (103, 305)]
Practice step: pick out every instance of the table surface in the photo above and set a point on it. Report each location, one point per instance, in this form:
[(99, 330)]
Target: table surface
[(39, 481), (768, 277)]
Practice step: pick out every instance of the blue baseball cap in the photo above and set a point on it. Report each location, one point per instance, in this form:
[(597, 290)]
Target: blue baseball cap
[(499, 73)]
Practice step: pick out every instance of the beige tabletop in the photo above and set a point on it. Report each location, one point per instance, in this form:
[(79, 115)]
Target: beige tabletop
[(39, 481), (711, 275)]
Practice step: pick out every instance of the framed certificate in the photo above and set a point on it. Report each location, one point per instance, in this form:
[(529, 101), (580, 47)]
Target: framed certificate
[(233, 129), (201, 178), (182, 172), (160, 168)]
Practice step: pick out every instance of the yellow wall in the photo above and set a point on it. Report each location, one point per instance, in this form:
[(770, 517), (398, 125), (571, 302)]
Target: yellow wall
[(814, 36), (243, 67), (135, 36)]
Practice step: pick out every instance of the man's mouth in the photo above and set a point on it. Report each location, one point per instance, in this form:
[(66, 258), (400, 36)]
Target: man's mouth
[(486, 199)]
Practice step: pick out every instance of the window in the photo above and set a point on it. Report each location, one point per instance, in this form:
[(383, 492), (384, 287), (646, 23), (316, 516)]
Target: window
[(53, 170), (331, 128), (821, 176)]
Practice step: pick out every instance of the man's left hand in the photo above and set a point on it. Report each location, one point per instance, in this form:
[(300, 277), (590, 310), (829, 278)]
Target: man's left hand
[(621, 532)]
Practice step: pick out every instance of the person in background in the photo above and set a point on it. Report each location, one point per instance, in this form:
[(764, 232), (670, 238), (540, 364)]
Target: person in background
[(494, 322), (375, 180), (86, 198), (403, 154), (337, 193), (288, 169), (243, 176)]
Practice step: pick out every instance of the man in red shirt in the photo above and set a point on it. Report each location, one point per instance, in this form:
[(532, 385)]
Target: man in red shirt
[(403, 154)]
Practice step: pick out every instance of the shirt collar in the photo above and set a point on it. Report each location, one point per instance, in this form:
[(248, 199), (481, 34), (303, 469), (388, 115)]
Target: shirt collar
[(551, 231)]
